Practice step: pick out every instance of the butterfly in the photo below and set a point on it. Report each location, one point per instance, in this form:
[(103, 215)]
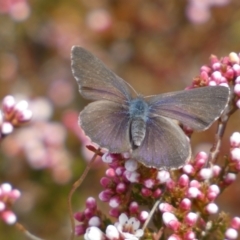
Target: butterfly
[(122, 121)]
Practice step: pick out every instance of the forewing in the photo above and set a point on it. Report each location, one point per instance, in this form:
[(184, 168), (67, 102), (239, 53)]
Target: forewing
[(197, 108), (164, 146), (107, 124), (95, 80)]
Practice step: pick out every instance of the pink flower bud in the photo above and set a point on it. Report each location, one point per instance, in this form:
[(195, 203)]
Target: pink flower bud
[(131, 165), (105, 182), (195, 183), (94, 221), (234, 58), (216, 76), (6, 128), (191, 218), (231, 234), (237, 80), (235, 139), (206, 173), (91, 203), (237, 89), (170, 221), (112, 233), (105, 195), (183, 180), (230, 178), (190, 235), (9, 217), (8, 104), (236, 69), (121, 188), (235, 154), (157, 193), (188, 169), (166, 207), (174, 237), (212, 208), (193, 192), (163, 176), (143, 216), (146, 192), (149, 183), (134, 207), (110, 172), (216, 170), (114, 202), (114, 212), (185, 204), (235, 223)]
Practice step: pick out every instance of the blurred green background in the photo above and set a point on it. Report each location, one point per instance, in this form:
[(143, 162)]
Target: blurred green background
[(157, 46)]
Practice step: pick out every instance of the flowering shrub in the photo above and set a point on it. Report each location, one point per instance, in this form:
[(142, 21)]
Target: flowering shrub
[(183, 201)]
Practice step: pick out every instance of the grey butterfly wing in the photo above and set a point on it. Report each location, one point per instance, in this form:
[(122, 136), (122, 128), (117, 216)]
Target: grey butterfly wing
[(95, 80), (164, 146), (107, 124), (197, 108)]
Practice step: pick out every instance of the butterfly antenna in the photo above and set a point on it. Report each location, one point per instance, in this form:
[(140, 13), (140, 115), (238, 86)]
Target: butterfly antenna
[(73, 189)]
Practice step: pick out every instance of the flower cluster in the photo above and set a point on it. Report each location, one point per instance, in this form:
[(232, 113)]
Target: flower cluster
[(188, 208), (13, 115), (8, 196), (224, 72)]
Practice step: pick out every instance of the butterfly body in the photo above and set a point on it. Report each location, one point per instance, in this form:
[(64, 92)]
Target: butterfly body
[(143, 126), (138, 114)]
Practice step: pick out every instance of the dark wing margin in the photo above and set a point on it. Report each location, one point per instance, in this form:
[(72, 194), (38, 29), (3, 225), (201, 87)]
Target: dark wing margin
[(106, 123), (197, 108), (165, 146), (95, 80)]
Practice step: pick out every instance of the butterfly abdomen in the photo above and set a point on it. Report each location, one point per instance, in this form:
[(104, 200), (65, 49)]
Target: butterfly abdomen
[(138, 112), (138, 131)]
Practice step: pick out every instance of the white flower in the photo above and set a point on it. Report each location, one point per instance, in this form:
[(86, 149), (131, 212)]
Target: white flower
[(93, 233), (129, 228)]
